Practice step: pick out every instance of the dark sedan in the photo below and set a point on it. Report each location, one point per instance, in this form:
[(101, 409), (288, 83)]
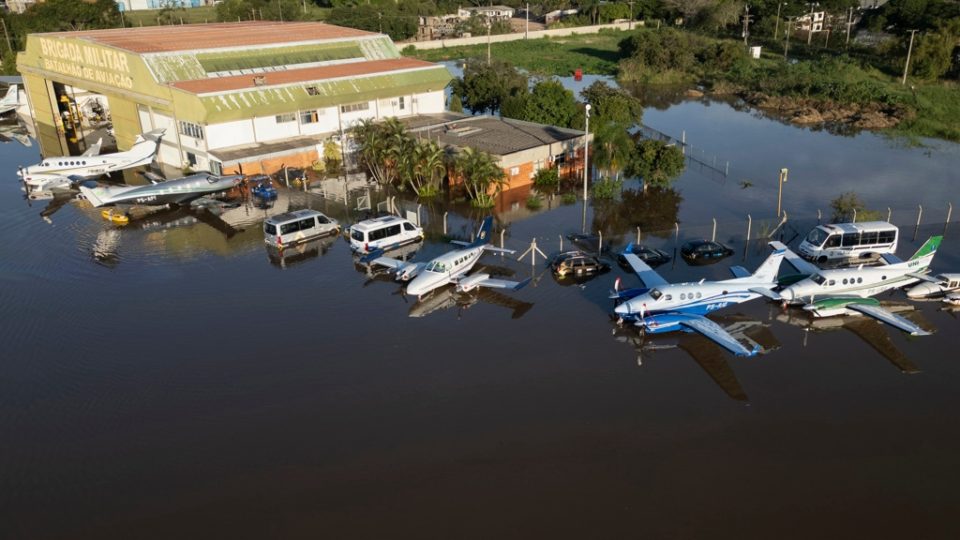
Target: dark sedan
[(652, 256), (704, 251)]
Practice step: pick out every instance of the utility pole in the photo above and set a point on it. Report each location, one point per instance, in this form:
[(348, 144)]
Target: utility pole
[(906, 66), (826, 40), (526, 30), (746, 23), (586, 149), (786, 46), (776, 26), (849, 24), (631, 14), (810, 29), (304, 6), (280, 10), (380, 21), (489, 24), (6, 34)]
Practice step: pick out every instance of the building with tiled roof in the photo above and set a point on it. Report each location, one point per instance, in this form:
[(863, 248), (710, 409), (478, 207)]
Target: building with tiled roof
[(251, 94)]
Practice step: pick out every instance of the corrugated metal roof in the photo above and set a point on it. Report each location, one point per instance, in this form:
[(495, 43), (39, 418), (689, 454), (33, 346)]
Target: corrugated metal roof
[(304, 75), (193, 37)]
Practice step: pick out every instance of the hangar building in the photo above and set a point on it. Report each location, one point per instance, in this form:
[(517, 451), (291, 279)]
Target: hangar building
[(254, 94)]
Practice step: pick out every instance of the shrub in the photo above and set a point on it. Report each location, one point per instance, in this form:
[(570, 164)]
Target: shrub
[(547, 178), (534, 202), (607, 189), (568, 198)]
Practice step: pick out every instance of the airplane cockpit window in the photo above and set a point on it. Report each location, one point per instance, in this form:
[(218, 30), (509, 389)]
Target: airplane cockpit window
[(212, 179), (655, 294), (436, 266), (818, 279)]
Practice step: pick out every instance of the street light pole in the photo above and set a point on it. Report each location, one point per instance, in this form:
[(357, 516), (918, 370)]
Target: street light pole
[(631, 14), (849, 24), (586, 152), (526, 31), (786, 46), (783, 179)]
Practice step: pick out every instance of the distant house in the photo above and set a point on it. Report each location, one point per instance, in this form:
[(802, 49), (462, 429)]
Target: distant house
[(812, 22), (557, 15), (871, 4), (133, 5), (437, 27), (19, 6), (495, 13)]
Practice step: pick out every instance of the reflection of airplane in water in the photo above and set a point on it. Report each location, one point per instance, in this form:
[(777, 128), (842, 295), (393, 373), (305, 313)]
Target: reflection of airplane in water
[(300, 252), (450, 298), (15, 132), (708, 355), (869, 330)]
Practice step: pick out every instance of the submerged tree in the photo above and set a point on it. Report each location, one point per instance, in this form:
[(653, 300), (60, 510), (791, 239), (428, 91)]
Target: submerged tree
[(612, 148), (381, 147), (481, 174), (427, 168), (656, 163)]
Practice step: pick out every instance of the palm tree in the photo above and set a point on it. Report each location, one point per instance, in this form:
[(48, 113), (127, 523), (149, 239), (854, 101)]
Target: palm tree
[(383, 146), (612, 148), (480, 172), (428, 168)]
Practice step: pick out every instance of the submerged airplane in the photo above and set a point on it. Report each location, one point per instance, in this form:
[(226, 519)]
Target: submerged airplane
[(64, 171), (176, 192), (848, 291), (450, 267), (665, 307), (10, 101)]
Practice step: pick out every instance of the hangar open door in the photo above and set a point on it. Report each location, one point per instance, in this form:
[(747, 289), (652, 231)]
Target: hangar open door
[(84, 118)]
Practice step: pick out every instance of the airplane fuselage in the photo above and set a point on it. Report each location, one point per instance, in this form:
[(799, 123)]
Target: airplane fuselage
[(692, 298), (860, 282), (176, 191), (444, 270)]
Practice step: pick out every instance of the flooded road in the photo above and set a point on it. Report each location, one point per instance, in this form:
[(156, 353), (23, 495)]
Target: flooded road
[(172, 379)]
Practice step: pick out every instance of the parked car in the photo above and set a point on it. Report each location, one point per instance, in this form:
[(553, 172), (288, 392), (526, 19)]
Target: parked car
[(651, 256), (577, 264), (704, 251), (589, 243)]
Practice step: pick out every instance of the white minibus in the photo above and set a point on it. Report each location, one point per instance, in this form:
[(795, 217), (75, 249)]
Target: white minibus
[(849, 241)]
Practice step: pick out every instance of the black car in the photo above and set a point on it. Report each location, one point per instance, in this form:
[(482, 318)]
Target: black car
[(651, 256), (704, 251), (577, 264)]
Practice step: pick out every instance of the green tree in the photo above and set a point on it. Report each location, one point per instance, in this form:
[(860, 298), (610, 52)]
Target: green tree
[(427, 168), (382, 147), (70, 15), (934, 55), (455, 103), (548, 103), (656, 163), (271, 10), (484, 86), (480, 174), (547, 178), (611, 104)]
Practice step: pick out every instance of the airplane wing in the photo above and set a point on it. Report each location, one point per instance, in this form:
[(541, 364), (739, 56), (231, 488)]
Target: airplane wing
[(802, 266), (892, 319), (714, 362), (769, 293), (717, 334), (388, 262), (646, 274), (926, 277), (740, 272), (469, 283)]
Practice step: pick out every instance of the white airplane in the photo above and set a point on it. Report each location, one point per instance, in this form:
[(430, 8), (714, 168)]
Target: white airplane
[(64, 171), (939, 286), (667, 307), (10, 101), (848, 291), (450, 267)]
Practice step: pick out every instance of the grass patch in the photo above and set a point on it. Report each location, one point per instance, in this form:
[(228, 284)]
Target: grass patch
[(560, 56), (938, 112)]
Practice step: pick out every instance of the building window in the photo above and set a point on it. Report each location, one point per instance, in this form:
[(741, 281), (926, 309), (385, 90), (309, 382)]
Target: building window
[(192, 159), (353, 107), (402, 103), (514, 171), (313, 91), (284, 118), (216, 168), (309, 117), (191, 130)]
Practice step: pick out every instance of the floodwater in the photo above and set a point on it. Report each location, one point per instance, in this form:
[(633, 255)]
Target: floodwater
[(176, 379)]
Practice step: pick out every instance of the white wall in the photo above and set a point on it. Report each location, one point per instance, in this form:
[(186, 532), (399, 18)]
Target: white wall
[(351, 118), (224, 135), (326, 122), (429, 102), (268, 129)]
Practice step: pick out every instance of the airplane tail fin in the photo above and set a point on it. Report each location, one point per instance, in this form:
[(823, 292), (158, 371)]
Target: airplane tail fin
[(767, 271), (12, 97), (483, 235), (928, 249)]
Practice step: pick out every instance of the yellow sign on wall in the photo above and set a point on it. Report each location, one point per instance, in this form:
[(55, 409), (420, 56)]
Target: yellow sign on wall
[(88, 62)]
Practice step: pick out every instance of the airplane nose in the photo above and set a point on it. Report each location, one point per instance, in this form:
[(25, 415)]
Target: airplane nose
[(622, 309), (787, 294)]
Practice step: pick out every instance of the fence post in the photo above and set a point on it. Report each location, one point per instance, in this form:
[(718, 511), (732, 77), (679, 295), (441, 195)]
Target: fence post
[(638, 235), (676, 239), (419, 221), (599, 243), (889, 213), (919, 215), (445, 223), (819, 217), (949, 211), (713, 237), (561, 242), (502, 231), (746, 245), (286, 176), (854, 215)]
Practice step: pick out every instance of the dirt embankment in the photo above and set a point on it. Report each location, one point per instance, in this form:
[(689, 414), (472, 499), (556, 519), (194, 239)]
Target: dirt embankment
[(808, 112)]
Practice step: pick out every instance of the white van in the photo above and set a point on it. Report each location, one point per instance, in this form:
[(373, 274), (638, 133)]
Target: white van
[(384, 233), (849, 241), (298, 226)]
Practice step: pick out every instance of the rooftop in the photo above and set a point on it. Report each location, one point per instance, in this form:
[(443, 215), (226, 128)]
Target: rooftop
[(294, 76), (494, 135), (193, 37)]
